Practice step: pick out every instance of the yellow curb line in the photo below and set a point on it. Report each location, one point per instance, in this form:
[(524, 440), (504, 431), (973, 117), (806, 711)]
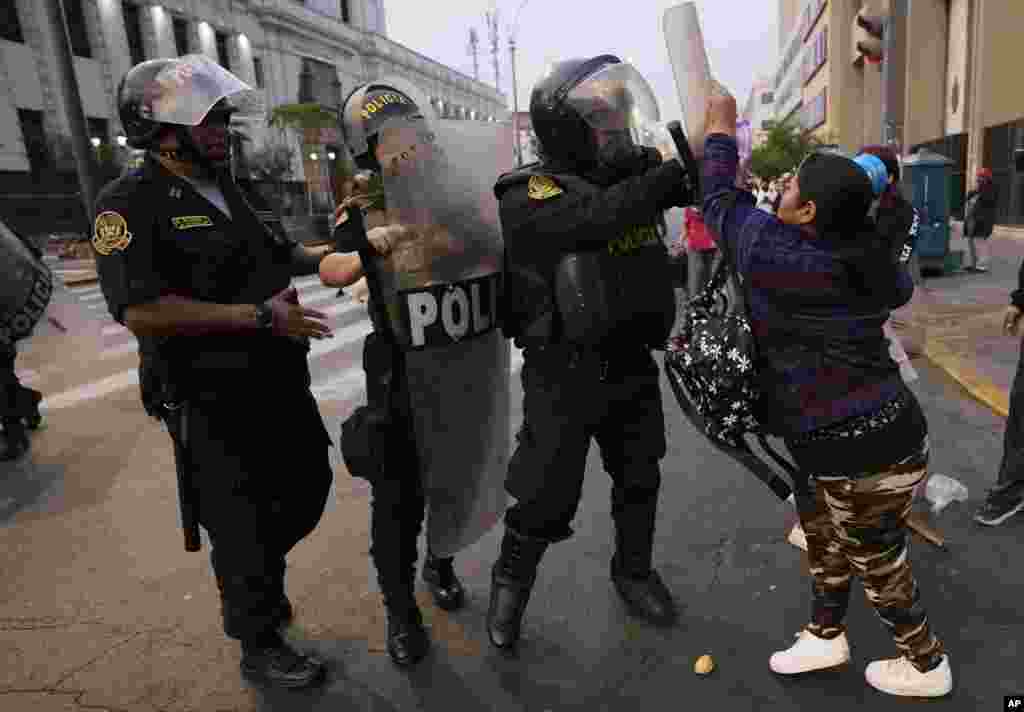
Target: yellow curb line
[(984, 390)]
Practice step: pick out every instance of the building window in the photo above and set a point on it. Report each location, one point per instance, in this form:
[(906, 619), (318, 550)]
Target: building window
[(77, 30), (181, 35), (319, 83), (10, 25), (257, 70), (223, 56), (817, 55), (346, 17), (34, 135), (815, 112), (133, 28)]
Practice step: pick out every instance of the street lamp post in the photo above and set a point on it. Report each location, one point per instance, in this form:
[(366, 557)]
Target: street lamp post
[(515, 103)]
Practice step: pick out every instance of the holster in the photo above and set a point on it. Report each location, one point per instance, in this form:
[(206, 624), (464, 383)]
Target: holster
[(372, 439)]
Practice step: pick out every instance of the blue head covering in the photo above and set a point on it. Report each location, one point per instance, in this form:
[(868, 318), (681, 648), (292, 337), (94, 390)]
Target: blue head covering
[(876, 171)]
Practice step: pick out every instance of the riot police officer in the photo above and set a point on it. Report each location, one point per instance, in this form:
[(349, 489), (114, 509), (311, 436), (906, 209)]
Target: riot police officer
[(19, 405), (199, 270), (378, 442), (588, 294)]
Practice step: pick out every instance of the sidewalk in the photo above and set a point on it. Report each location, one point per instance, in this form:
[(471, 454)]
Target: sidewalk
[(957, 320)]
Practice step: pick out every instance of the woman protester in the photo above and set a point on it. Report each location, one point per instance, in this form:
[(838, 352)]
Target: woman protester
[(820, 283)]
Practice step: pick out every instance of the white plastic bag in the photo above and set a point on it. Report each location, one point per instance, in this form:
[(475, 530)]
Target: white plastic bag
[(942, 490)]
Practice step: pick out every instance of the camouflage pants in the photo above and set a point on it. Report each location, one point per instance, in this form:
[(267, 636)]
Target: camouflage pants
[(857, 526)]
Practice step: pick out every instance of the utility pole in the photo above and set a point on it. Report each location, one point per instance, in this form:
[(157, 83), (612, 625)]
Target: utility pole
[(492, 26), (474, 44), (515, 102), (68, 87), (512, 32)]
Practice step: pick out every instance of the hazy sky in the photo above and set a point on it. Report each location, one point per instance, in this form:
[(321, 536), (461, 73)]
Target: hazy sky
[(740, 35)]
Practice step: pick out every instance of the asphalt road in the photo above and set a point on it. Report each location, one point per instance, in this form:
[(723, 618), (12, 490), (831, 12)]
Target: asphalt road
[(100, 607)]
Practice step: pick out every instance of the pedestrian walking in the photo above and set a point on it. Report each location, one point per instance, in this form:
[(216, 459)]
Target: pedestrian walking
[(701, 250), (577, 225), (980, 220), (199, 270), (820, 282), (1006, 498)]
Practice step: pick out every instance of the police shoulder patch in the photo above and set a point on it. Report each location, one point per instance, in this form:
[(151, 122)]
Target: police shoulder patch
[(543, 188), (110, 233)]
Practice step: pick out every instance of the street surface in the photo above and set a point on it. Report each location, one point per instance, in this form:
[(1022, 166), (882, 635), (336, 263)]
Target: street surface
[(102, 609)]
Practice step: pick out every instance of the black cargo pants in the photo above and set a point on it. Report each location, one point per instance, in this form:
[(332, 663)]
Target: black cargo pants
[(570, 397), (262, 473)]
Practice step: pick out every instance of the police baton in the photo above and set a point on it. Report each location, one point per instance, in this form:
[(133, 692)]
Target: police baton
[(675, 130), (176, 419)]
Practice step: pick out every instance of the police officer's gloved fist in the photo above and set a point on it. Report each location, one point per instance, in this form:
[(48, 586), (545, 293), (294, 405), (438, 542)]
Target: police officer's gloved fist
[(683, 195), (293, 320)]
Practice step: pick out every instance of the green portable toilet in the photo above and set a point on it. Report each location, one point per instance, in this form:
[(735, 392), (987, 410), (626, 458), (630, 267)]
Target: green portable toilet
[(926, 183)]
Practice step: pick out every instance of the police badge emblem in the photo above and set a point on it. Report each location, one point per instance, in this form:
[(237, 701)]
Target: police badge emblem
[(542, 188), (111, 233)]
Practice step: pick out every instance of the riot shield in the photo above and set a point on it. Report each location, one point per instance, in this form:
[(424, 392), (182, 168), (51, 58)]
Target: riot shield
[(440, 286), (25, 288), (690, 65)]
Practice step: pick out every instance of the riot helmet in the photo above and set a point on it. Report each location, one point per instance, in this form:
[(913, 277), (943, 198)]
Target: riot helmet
[(591, 114), (182, 93), (372, 107)]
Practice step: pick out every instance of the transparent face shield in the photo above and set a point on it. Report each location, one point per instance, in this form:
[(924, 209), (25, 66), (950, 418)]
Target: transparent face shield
[(617, 100), (185, 91)]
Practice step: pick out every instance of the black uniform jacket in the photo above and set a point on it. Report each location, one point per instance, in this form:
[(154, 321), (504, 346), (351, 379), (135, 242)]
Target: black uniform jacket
[(155, 235), (547, 215)]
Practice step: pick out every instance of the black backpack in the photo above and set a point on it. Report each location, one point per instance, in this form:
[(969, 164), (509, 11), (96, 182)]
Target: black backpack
[(711, 365)]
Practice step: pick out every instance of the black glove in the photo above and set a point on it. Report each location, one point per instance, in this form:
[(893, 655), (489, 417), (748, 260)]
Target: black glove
[(684, 195), (350, 236)]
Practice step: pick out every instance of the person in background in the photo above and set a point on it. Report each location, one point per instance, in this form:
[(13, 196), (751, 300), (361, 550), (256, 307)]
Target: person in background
[(980, 220), (820, 283), (1007, 497), (701, 250)]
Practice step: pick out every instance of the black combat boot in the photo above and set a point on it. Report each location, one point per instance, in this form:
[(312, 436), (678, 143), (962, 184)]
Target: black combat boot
[(637, 583), (444, 585), (512, 580), (270, 660), (407, 639), (16, 438)]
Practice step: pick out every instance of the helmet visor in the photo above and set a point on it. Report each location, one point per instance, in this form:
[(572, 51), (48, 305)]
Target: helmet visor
[(185, 90), (614, 99)]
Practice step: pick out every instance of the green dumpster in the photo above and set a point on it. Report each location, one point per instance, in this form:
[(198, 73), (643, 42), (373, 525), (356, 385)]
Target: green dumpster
[(926, 181)]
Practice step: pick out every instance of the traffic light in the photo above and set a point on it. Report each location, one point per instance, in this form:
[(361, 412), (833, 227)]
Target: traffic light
[(869, 38)]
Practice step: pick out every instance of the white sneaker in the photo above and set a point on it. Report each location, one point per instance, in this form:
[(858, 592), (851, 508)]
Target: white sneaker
[(811, 653), (797, 537), (900, 677)]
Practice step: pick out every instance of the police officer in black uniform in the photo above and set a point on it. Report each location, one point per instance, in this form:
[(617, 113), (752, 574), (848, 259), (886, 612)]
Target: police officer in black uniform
[(588, 294), (378, 442), (19, 405), (199, 270)]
